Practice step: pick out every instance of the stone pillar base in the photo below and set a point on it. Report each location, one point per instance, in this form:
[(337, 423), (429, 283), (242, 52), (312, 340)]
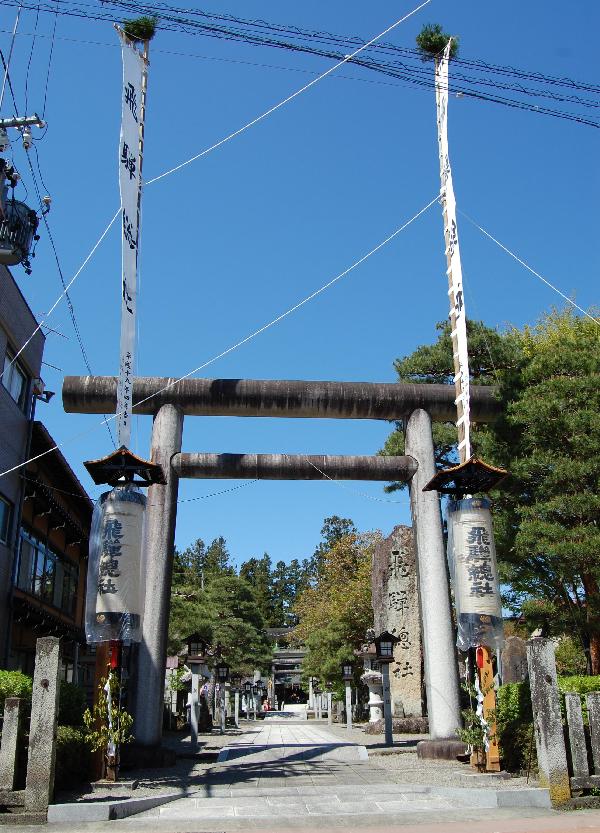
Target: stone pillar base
[(137, 755), (447, 749)]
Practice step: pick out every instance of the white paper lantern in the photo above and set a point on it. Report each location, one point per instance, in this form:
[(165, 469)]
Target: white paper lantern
[(115, 598), (473, 567)]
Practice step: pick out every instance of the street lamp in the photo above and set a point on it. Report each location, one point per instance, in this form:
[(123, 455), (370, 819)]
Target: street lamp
[(347, 675), (196, 658), (384, 647)]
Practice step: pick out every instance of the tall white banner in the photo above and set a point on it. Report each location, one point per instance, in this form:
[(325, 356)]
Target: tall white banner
[(129, 182), (459, 334)]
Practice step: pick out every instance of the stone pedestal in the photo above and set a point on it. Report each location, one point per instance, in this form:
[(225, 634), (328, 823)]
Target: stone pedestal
[(396, 609), (373, 680)]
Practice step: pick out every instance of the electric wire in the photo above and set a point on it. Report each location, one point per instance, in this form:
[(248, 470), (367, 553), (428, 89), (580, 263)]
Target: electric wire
[(166, 173), (530, 269), (50, 56), (171, 20), (289, 97), (63, 282), (6, 64), (62, 294), (31, 51), (237, 344)]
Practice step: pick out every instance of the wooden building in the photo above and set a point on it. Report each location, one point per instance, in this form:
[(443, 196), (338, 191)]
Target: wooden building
[(49, 580)]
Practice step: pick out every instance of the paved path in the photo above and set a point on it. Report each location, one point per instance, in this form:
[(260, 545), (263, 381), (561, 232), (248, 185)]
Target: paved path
[(298, 774)]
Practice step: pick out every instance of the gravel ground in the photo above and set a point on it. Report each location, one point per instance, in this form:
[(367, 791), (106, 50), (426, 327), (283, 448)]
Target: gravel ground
[(406, 768)]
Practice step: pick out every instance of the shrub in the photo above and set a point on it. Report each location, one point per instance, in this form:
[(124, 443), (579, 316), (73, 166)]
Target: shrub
[(431, 41), (14, 684), (72, 758), (71, 704), (570, 657), (514, 726), (140, 28)]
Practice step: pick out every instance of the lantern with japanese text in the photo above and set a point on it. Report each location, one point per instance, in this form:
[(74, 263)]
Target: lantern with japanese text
[(472, 560), (114, 586)]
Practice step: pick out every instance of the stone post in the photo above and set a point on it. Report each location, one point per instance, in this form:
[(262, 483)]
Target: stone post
[(159, 543), (387, 704), (194, 705), (441, 672), (236, 709), (593, 707), (311, 695), (39, 788), (348, 706), (547, 720), (329, 709), (9, 749)]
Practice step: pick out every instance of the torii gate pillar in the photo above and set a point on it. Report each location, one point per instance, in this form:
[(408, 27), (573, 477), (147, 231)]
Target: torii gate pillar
[(441, 675), (161, 514)]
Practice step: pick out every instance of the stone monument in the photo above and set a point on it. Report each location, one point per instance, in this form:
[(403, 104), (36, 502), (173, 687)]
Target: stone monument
[(396, 609), (514, 660)]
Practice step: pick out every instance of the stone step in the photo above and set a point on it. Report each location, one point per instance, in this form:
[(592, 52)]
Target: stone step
[(292, 802)]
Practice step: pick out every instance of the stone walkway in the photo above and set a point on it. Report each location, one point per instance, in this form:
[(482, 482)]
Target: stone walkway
[(296, 773)]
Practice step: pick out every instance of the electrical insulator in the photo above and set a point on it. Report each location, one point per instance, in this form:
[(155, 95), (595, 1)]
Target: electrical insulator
[(47, 202), (4, 140), (26, 138)]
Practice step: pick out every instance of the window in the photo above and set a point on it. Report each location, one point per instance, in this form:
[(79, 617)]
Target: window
[(6, 511), (47, 574), (14, 379)]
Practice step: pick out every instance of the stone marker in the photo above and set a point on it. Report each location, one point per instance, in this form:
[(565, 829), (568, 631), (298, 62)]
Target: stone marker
[(593, 707), (8, 750), (396, 609), (514, 660), (549, 738), (39, 787), (576, 735)]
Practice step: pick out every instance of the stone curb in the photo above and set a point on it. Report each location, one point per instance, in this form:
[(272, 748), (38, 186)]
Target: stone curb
[(482, 797), (108, 810)]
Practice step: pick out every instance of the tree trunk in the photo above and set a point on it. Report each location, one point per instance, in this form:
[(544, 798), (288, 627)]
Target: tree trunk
[(592, 597)]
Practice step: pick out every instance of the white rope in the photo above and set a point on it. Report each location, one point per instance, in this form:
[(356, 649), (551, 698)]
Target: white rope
[(530, 269), (291, 309), (218, 144), (243, 341), (63, 293), (289, 97), (349, 488)]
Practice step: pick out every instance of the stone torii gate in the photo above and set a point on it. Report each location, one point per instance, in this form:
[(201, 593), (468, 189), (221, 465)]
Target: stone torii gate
[(169, 400)]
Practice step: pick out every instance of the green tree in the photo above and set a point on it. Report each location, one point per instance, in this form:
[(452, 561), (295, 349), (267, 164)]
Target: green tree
[(549, 515), (335, 613), (257, 572), (490, 354), (333, 530), (546, 516)]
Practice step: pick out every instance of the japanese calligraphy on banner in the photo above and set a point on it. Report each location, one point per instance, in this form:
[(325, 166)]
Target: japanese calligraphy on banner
[(114, 599), (459, 334), (472, 559), (129, 182)]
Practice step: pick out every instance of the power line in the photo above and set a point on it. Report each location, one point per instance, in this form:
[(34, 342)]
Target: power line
[(63, 282), (290, 97), (242, 341), (258, 33), (530, 269)]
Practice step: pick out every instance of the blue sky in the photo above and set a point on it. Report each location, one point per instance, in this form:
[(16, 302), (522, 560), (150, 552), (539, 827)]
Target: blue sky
[(236, 238)]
